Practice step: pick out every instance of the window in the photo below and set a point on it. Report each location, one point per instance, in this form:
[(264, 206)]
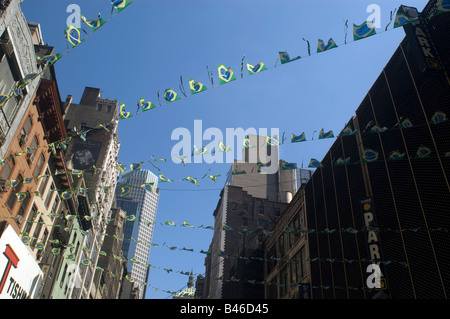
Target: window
[(244, 222), (99, 107), (9, 75), (109, 108), (63, 275), (282, 244), (12, 196), (39, 165), (30, 220), (277, 212), (263, 223), (261, 209), (245, 207), (36, 233), (30, 155), (43, 183), (9, 164), (233, 206), (283, 281)]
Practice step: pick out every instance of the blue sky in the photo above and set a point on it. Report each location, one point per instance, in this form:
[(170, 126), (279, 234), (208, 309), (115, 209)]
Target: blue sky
[(150, 44)]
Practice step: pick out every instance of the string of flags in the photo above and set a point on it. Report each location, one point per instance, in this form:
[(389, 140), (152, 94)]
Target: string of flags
[(368, 156), (40, 244), (226, 75)]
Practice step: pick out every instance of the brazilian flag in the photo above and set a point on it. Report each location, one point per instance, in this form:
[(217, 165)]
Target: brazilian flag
[(438, 117), (406, 123), (314, 163), (164, 179), (341, 161), (192, 180), (298, 138), (285, 58), (66, 194), (148, 187), (214, 177), (363, 31), (52, 58), (146, 105), (21, 196), (423, 152), (255, 69), (323, 135), (122, 114), (119, 5), (443, 6), (226, 227), (272, 141), (225, 74), (288, 166), (186, 224), (125, 190), (170, 95), (369, 155), (136, 166), (224, 148), (395, 155), (73, 36), (196, 87), (4, 99), (93, 24), (348, 131), (405, 15), (321, 47)]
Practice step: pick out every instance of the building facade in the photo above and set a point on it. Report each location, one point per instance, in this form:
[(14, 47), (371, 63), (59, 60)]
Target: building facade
[(377, 223), (93, 149), (257, 191), (286, 258), (140, 206)]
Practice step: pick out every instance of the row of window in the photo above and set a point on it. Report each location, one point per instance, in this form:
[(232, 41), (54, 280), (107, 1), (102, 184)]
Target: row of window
[(289, 276), (260, 209)]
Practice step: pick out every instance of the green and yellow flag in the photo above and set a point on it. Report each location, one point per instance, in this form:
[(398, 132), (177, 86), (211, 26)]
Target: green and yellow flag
[(125, 190), (443, 6), (122, 114), (285, 58), (170, 95), (225, 74), (405, 15), (73, 36), (298, 138), (369, 155), (363, 31), (321, 47), (146, 105), (255, 69), (196, 87), (119, 5), (323, 135), (93, 24)]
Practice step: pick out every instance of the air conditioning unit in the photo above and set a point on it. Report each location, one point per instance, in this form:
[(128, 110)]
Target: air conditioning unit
[(23, 139), (6, 45), (4, 185)]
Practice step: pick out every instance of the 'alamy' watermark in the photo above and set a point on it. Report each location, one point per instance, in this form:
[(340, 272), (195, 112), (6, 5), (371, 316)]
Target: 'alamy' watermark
[(213, 146)]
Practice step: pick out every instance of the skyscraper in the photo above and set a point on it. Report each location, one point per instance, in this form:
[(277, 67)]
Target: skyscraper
[(140, 205)]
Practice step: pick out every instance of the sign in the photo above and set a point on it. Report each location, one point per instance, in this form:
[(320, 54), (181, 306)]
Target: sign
[(20, 275), (373, 243), (418, 38)]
